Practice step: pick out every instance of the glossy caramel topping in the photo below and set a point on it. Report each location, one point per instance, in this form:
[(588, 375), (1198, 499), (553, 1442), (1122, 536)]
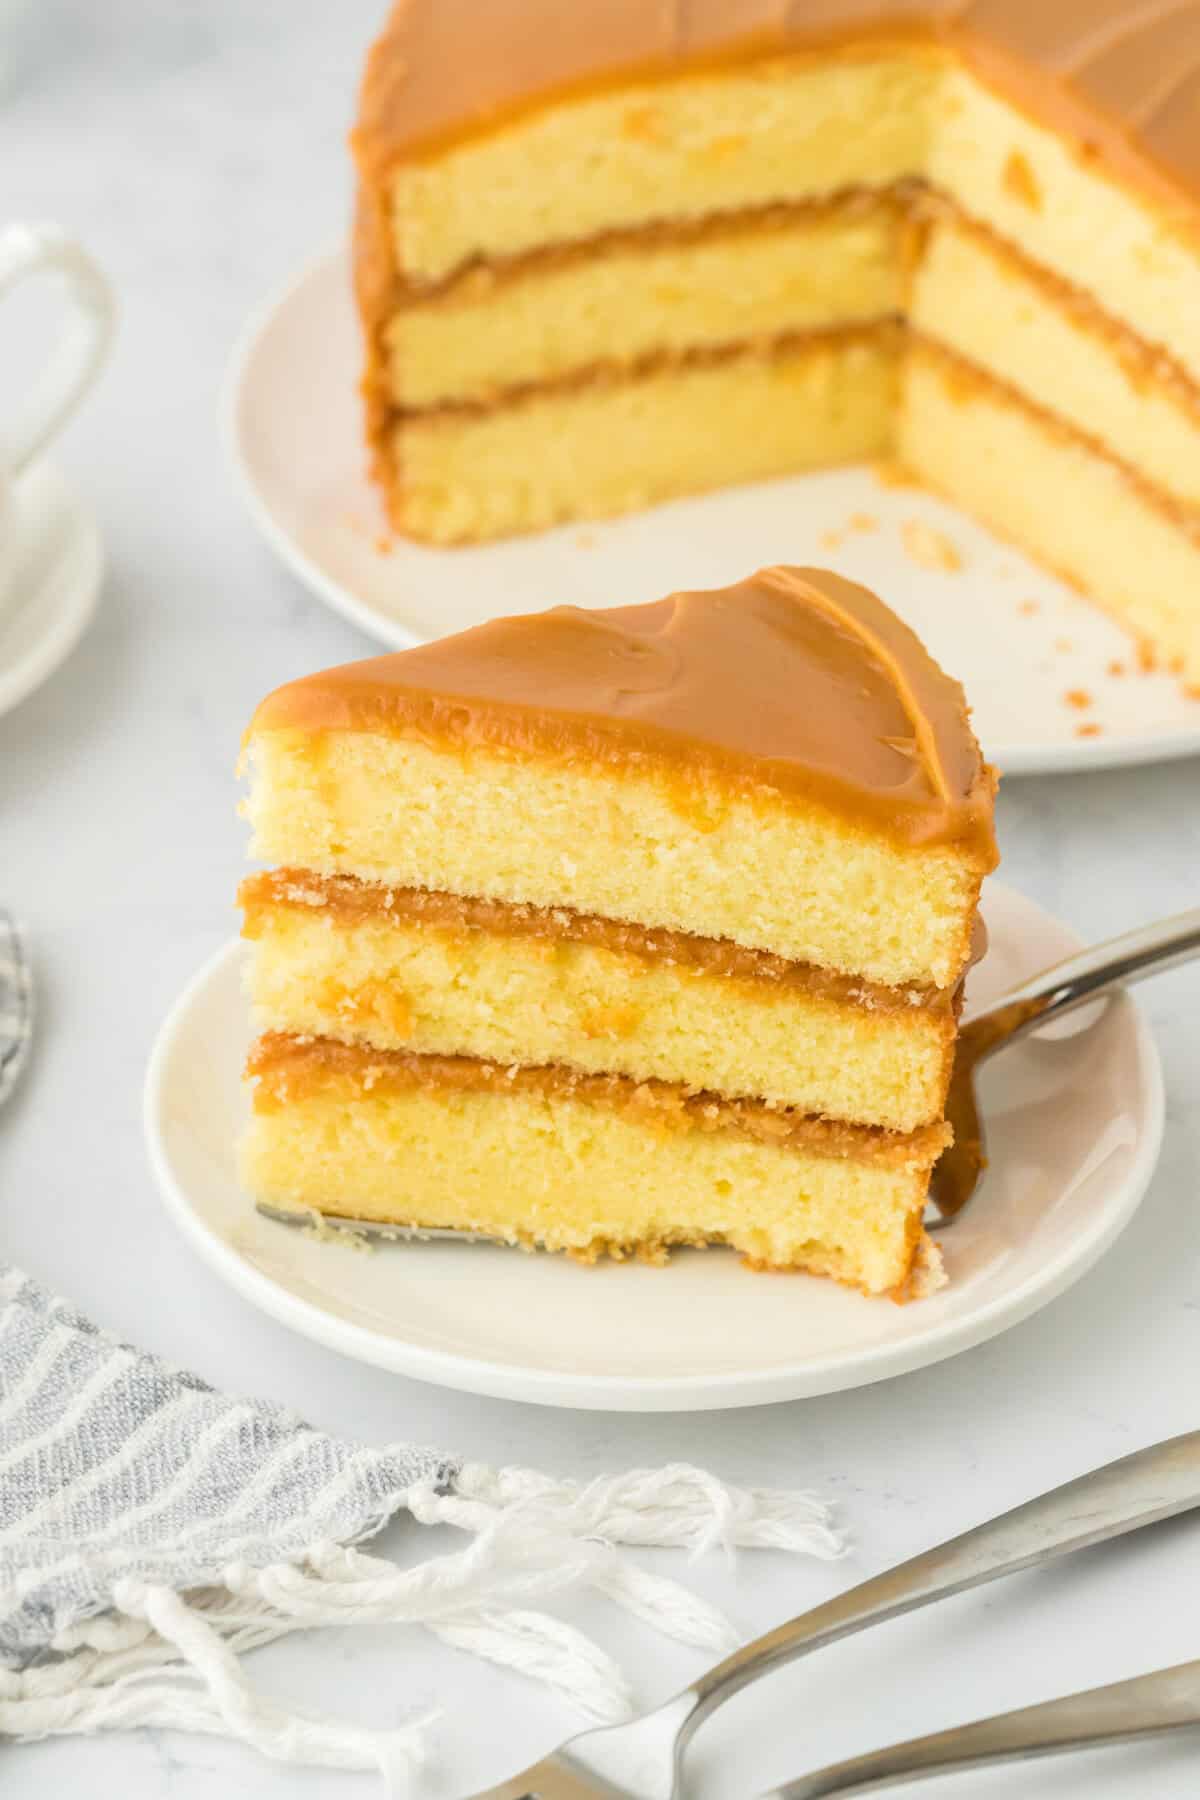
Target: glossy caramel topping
[(794, 682), (1122, 77)]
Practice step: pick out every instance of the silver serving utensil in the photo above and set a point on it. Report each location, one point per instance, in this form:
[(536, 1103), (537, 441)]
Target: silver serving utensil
[(1125, 1711), (1056, 991), (641, 1760), (16, 1006), (309, 1218)]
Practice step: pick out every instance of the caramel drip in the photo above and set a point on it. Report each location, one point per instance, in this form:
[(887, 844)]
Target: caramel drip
[(794, 685), (287, 1070)]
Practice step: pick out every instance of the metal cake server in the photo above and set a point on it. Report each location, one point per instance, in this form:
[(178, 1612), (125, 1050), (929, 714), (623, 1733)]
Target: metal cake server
[(641, 1760), (1055, 992), (344, 1223)]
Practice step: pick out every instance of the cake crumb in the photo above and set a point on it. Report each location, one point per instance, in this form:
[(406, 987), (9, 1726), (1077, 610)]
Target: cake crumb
[(1028, 608), (1147, 659), (1117, 667), (861, 521), (1091, 729), (929, 547), (893, 475), (1079, 698), (1020, 181), (830, 540), (384, 545)]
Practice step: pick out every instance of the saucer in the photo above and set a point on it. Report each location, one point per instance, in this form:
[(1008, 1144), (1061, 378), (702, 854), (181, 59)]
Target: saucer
[(1074, 1120), (53, 567)]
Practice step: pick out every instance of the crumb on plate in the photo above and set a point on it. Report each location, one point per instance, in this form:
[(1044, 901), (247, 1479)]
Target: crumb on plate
[(931, 548)]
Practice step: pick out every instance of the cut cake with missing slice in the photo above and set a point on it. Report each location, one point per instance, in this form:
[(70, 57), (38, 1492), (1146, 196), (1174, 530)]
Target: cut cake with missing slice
[(607, 931), (611, 254)]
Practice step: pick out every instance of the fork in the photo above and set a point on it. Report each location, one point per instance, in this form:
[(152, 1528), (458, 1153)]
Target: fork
[(641, 1760)]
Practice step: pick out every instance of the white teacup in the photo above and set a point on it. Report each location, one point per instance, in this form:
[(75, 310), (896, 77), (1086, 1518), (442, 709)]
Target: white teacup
[(74, 363)]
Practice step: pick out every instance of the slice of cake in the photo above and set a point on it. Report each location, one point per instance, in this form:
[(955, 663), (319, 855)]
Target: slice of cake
[(609, 255), (607, 931)]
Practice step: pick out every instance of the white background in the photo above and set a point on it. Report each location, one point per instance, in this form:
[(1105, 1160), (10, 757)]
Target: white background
[(199, 150)]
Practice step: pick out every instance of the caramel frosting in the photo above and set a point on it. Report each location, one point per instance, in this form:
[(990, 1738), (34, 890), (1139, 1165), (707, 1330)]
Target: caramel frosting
[(1121, 78), (348, 899), (287, 1070), (793, 684)]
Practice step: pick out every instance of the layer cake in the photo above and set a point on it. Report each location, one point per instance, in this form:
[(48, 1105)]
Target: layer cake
[(607, 931), (610, 255)]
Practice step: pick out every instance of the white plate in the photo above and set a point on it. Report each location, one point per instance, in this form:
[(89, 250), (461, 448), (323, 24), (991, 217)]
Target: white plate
[(53, 563), (294, 437), (1074, 1130)]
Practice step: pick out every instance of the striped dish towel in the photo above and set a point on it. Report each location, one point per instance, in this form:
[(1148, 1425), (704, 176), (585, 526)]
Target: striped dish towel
[(152, 1530)]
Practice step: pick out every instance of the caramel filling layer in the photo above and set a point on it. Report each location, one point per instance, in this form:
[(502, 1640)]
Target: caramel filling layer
[(967, 375), (286, 1070), (347, 898), (657, 362), (485, 273), (967, 378), (914, 200), (1146, 364)]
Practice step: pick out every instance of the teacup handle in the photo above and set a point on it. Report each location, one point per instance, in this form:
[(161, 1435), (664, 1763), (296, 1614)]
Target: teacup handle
[(77, 357)]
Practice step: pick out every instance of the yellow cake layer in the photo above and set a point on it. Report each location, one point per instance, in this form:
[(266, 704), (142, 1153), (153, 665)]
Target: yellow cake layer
[(405, 984), (629, 843), (1063, 501), (612, 445), (786, 129), (970, 293), (749, 279), (792, 129), (567, 1174)]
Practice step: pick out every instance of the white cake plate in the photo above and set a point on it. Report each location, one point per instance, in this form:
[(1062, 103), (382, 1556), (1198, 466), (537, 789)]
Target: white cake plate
[(1074, 1126), (1019, 641)]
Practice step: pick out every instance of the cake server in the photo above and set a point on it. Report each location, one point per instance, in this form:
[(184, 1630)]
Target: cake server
[(640, 1760), (1056, 991)]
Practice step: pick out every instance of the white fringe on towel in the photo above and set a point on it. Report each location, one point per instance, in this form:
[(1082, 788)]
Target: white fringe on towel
[(173, 1660)]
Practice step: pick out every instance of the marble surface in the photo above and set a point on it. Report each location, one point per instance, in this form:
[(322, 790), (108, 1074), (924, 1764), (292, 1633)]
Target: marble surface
[(198, 149)]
